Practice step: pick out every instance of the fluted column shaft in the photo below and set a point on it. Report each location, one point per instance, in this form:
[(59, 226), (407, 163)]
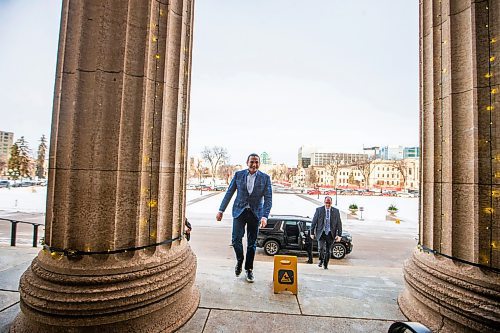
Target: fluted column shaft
[(117, 172), (460, 181)]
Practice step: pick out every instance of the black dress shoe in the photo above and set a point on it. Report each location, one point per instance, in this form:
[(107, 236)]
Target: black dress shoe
[(237, 269), (250, 277), (320, 263), (326, 267), (310, 261)]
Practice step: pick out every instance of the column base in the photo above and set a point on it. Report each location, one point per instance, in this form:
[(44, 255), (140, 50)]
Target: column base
[(153, 298), (450, 297)]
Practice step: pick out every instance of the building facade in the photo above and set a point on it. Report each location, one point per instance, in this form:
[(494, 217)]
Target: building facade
[(391, 153), (411, 152), (265, 158), (400, 175), (324, 158), (6, 142), (304, 156)]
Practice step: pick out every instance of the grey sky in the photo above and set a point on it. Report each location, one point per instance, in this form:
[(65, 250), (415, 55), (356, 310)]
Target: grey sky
[(268, 75)]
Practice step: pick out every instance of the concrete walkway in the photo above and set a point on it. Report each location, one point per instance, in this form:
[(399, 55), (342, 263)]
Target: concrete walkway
[(341, 299), (356, 294)]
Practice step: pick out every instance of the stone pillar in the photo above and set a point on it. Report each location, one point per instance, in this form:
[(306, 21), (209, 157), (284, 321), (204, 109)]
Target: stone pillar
[(116, 174), (457, 288)]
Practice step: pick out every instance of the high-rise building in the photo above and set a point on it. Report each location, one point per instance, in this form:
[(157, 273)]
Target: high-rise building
[(313, 156), (391, 153), (265, 158), (324, 158), (6, 142), (398, 152), (411, 152), (304, 158)]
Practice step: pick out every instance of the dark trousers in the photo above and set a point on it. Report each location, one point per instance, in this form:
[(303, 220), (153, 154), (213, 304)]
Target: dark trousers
[(309, 249), (246, 218), (325, 243)]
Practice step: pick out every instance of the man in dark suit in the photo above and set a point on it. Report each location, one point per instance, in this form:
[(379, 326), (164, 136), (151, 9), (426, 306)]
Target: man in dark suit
[(250, 208), (326, 227)]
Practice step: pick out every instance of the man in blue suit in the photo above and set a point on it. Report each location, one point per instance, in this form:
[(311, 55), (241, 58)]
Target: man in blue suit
[(251, 207)]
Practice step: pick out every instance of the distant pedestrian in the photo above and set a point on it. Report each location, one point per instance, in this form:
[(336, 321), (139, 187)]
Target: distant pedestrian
[(326, 228), (187, 229), (250, 208)]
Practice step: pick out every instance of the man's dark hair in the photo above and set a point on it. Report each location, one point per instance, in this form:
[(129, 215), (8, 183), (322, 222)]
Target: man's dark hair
[(328, 197), (253, 154)]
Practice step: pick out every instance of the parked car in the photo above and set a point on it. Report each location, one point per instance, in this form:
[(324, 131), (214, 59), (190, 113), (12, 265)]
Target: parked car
[(329, 192), (287, 232), (4, 183), (313, 192)]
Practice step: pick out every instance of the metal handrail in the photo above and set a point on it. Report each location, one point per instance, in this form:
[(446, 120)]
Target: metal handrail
[(13, 230)]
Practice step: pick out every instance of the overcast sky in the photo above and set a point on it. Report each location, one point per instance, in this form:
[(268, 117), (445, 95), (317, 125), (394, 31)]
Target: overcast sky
[(268, 75)]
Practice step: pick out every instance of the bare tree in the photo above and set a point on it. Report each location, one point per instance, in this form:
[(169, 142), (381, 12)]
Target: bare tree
[(290, 173), (365, 167), (311, 176), (400, 165), (215, 156), (280, 173), (199, 170), (226, 172), (3, 165), (333, 168), (351, 180), (191, 168)]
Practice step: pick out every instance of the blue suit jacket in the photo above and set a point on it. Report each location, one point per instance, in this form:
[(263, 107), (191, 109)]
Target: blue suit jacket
[(260, 201)]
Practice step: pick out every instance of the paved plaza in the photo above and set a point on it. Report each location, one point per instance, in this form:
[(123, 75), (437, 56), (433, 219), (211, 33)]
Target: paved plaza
[(357, 294)]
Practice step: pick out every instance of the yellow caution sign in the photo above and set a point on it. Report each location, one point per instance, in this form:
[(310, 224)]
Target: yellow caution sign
[(285, 274)]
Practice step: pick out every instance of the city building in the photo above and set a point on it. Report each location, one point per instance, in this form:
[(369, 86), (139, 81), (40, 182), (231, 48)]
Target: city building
[(400, 175), (314, 156), (398, 152), (391, 153), (6, 142), (324, 158), (411, 152), (299, 180), (304, 156), (265, 158), (349, 176)]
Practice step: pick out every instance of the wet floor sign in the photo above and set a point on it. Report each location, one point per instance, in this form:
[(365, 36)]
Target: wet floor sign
[(285, 274)]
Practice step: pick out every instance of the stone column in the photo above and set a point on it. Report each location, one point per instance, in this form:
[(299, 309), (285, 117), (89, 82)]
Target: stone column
[(457, 287), (116, 174)]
